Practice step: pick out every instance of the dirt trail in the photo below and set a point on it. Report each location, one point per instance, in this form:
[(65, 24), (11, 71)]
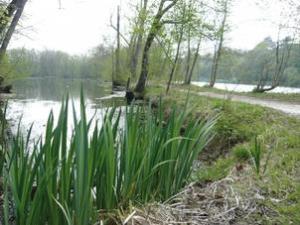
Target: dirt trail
[(286, 107)]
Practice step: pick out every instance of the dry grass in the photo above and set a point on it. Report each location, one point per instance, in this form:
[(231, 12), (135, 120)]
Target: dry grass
[(218, 203)]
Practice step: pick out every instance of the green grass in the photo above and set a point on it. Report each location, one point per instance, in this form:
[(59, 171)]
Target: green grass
[(80, 179), (235, 131), (241, 153), (215, 171)]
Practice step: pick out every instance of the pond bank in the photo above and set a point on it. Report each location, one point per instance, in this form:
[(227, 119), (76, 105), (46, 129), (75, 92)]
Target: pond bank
[(282, 97), (226, 188), (273, 196), (286, 107)]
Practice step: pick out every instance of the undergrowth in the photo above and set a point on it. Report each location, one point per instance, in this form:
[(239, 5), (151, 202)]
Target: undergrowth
[(278, 162)]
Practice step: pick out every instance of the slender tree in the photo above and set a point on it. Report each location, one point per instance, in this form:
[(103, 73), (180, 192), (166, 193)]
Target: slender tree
[(138, 41), (220, 40), (198, 27), (179, 33), (157, 23), (14, 13), (117, 73), (191, 71)]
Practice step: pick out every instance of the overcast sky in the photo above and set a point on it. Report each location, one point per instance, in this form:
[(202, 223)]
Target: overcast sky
[(81, 24)]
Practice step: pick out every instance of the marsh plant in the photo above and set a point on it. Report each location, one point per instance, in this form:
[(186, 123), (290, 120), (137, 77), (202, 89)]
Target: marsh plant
[(139, 158), (256, 155)]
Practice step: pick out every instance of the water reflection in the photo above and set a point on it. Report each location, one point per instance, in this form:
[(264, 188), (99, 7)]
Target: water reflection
[(54, 88), (36, 98)]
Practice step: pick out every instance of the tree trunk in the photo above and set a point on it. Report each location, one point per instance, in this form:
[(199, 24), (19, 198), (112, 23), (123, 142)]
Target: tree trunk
[(194, 63), (260, 88), (280, 66), (166, 59), (116, 81), (138, 45), (188, 58), (12, 27), (218, 52), (113, 66), (175, 61), (7, 15), (155, 27)]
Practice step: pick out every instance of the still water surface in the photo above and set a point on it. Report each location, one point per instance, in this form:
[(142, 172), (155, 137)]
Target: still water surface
[(247, 87), (36, 97)]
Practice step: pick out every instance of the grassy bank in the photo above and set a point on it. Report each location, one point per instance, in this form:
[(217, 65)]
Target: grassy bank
[(275, 185), (248, 174)]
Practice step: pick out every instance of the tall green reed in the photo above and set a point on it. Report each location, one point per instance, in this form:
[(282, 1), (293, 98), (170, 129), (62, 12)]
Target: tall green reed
[(134, 156), (256, 155)]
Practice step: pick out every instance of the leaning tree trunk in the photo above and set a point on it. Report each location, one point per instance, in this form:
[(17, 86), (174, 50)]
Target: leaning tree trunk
[(12, 27), (155, 27), (261, 86), (280, 67)]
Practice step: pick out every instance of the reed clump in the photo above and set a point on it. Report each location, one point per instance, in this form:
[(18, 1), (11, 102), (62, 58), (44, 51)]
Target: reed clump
[(135, 156)]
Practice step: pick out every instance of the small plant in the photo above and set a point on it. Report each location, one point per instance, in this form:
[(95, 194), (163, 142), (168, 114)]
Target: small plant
[(256, 154), (241, 153)]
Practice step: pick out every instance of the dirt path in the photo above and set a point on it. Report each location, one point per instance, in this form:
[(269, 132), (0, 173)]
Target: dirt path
[(286, 107)]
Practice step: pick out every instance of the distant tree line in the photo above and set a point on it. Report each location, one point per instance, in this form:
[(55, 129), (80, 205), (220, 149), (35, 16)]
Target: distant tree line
[(49, 63), (265, 64), (236, 66)]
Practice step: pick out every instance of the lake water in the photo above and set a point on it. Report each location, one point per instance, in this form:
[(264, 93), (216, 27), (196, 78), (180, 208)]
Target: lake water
[(247, 87), (36, 97)]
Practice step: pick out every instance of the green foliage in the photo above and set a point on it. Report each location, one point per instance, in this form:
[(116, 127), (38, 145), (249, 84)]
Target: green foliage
[(246, 67), (256, 155), (218, 170), (7, 69), (241, 153), (65, 178), (49, 63), (280, 153)]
